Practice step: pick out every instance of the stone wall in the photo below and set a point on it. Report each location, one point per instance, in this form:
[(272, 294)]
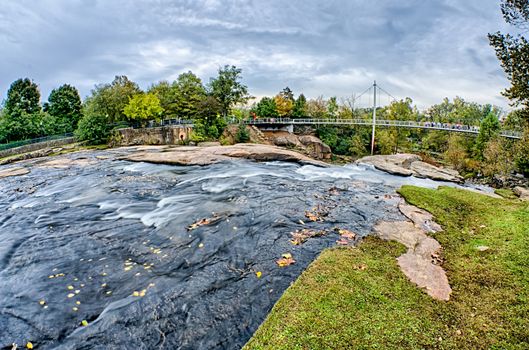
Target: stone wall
[(164, 135), (36, 146)]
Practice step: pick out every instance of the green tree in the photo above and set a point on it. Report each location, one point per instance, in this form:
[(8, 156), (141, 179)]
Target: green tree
[(332, 107), (64, 104), (189, 94), (166, 93), (300, 107), (143, 107), (228, 89), (109, 100), (22, 111), (93, 129), (266, 108), (242, 135), (513, 52), (489, 128)]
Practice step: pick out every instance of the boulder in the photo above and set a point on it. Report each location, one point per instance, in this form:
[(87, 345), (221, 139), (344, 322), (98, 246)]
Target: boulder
[(410, 165), (315, 147), (187, 155), (522, 192), (422, 169)]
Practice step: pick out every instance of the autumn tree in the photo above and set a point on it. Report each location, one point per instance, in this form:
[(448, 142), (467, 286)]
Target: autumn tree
[(64, 104), (317, 108), (228, 89)]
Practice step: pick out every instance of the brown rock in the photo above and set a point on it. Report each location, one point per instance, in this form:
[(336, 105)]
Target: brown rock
[(425, 275), (422, 169), (522, 192), (410, 164), (13, 172), (208, 155), (421, 218), (420, 262)]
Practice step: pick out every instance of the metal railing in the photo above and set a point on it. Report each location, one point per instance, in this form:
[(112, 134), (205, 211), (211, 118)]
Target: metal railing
[(453, 127), (21, 143)]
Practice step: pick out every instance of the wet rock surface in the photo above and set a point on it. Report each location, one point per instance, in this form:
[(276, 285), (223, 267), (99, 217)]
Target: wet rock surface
[(410, 165), (189, 155), (99, 254)]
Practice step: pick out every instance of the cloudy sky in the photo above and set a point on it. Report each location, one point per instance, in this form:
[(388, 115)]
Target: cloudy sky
[(424, 49)]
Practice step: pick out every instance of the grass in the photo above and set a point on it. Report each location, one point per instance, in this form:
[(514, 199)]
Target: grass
[(357, 298), (506, 193)]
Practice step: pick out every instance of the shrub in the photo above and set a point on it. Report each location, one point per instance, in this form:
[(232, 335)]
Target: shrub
[(242, 135), (93, 129)]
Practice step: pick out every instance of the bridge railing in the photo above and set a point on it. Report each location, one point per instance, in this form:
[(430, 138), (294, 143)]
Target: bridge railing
[(454, 127)]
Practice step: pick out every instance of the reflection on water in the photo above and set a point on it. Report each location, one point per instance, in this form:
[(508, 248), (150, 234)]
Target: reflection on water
[(107, 243)]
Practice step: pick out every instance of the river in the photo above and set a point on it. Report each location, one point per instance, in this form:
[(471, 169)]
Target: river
[(100, 256)]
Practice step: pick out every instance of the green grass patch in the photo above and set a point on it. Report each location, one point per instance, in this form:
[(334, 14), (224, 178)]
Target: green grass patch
[(357, 298), (506, 193)]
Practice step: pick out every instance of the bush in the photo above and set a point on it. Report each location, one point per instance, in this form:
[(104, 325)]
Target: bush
[(242, 135), (93, 129)]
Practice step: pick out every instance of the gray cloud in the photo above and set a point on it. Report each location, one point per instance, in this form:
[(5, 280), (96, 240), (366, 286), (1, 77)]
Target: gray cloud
[(426, 50)]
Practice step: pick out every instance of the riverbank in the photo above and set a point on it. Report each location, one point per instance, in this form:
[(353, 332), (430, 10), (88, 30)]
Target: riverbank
[(358, 297)]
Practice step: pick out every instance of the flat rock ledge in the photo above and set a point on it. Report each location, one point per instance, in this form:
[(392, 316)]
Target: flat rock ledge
[(421, 263), (410, 165), (190, 155), (13, 172)]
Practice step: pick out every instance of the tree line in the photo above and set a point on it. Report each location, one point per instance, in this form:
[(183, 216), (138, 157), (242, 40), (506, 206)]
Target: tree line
[(121, 102)]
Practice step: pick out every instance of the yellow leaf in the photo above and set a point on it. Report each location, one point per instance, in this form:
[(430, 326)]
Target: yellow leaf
[(136, 293), (78, 302), (84, 323), (42, 302), (71, 295), (29, 345), (75, 308), (258, 274), (70, 287), (201, 245)]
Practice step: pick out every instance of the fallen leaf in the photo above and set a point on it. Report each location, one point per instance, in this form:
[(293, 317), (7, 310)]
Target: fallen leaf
[(286, 260), (84, 323), (347, 234), (42, 302), (135, 294), (258, 274), (75, 308), (29, 345), (201, 245), (71, 295)]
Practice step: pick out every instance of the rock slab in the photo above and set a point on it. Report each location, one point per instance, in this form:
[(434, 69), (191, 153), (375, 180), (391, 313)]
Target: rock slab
[(410, 165), (188, 155), (421, 262), (13, 172)]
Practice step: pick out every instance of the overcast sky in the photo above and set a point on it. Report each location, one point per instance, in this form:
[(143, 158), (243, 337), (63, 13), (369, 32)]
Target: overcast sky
[(423, 49)]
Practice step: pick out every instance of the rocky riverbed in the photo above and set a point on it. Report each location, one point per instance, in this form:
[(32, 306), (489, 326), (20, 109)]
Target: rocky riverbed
[(100, 251)]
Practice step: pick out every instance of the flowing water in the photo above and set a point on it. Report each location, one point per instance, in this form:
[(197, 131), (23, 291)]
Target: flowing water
[(107, 243)]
